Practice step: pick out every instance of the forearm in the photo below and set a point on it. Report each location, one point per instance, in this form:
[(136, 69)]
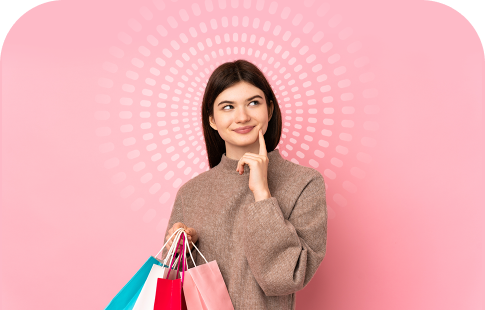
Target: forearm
[(277, 256), (261, 195), (284, 254)]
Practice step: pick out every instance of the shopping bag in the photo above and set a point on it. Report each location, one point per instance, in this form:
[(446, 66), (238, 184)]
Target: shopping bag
[(193, 299), (169, 294), (127, 296), (204, 287), (146, 298)]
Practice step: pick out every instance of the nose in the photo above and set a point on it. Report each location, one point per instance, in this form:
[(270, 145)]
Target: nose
[(241, 116)]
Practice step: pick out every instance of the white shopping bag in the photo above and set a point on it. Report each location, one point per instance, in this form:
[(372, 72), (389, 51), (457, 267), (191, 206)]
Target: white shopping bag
[(146, 299)]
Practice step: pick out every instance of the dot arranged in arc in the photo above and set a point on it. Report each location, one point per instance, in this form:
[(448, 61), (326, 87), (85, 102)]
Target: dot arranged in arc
[(184, 59)]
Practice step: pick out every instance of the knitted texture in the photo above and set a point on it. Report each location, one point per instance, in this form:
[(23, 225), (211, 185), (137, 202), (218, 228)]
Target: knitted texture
[(266, 250)]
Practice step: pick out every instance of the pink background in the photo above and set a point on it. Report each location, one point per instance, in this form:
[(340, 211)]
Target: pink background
[(101, 126)]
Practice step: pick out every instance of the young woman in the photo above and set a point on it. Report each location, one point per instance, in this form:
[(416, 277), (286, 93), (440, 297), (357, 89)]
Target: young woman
[(261, 217)]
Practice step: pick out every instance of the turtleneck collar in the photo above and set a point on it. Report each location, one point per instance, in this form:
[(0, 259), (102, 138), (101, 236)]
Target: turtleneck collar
[(229, 165)]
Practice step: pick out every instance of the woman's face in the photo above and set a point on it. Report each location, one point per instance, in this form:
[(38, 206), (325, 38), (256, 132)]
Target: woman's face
[(239, 106)]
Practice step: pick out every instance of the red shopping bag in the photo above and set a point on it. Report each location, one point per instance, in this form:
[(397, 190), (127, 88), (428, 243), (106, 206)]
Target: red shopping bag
[(169, 294), (204, 287)]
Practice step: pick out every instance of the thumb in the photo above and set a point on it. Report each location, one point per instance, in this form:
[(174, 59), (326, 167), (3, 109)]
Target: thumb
[(190, 231)]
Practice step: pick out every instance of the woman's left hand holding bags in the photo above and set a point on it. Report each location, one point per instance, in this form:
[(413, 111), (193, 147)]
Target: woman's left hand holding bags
[(191, 234), (258, 173)]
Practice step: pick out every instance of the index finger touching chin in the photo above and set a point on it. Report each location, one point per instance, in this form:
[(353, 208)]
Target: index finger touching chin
[(262, 143)]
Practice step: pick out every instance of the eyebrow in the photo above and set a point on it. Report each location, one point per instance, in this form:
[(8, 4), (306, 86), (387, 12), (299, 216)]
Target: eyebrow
[(227, 101)]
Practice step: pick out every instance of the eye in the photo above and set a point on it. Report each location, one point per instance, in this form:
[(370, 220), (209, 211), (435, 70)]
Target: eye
[(224, 107)]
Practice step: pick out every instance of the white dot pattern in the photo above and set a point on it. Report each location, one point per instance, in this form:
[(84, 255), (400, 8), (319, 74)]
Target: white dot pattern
[(150, 97)]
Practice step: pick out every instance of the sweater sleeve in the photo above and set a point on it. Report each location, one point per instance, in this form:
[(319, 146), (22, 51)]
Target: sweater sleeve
[(283, 255), (176, 216)]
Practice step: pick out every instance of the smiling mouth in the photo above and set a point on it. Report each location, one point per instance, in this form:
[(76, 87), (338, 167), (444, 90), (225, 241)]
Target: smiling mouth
[(244, 129)]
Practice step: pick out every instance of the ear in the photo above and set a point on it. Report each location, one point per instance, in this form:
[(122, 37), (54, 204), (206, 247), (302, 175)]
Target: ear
[(212, 123)]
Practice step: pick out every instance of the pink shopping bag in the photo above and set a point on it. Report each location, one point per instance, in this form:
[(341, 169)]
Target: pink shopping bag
[(204, 287), (193, 299)]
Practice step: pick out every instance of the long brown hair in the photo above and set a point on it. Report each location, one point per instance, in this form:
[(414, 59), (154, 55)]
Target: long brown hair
[(225, 76)]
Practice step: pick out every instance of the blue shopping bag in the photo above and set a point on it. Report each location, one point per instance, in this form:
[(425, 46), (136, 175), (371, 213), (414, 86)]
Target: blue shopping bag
[(126, 298)]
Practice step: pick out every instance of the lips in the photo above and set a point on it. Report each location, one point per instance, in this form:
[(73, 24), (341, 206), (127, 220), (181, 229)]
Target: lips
[(245, 128)]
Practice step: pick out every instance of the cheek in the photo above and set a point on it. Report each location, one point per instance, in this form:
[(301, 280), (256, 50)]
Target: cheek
[(223, 120), (263, 117)]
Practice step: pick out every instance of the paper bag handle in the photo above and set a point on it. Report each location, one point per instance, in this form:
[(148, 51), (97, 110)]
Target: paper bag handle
[(169, 251), (197, 251), (173, 247), (182, 255)]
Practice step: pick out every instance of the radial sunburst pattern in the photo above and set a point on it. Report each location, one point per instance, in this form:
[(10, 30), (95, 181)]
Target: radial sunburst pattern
[(149, 105)]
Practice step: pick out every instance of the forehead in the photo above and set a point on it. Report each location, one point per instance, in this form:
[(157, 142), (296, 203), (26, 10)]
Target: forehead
[(239, 92)]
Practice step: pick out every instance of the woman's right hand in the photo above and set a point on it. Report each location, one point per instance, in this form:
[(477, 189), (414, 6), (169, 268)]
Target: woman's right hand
[(191, 235)]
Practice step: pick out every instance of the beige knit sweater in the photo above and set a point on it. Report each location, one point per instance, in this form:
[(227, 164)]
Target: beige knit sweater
[(266, 250)]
